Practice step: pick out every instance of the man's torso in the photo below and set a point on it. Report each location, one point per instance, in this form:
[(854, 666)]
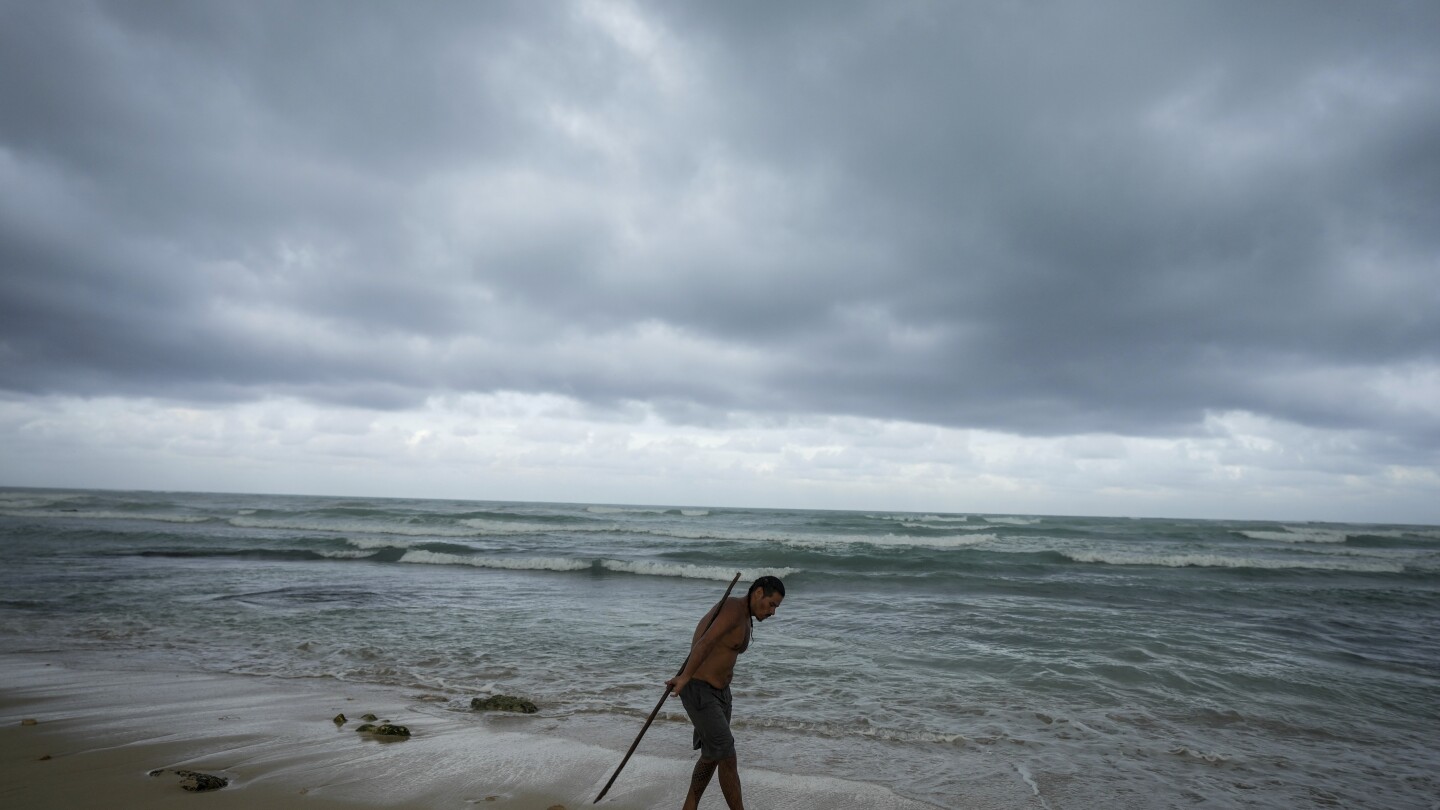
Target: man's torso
[(719, 667)]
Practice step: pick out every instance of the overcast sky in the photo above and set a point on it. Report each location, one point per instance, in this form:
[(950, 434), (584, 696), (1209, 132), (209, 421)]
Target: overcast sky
[(1123, 258)]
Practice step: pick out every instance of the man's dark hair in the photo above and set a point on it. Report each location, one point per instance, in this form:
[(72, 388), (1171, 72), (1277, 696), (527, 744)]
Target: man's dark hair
[(768, 584)]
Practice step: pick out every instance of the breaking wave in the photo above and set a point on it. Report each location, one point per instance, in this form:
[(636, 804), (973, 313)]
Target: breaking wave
[(1302, 535), (1223, 561)]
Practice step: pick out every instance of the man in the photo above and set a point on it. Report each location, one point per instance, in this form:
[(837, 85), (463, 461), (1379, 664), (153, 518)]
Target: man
[(704, 685)]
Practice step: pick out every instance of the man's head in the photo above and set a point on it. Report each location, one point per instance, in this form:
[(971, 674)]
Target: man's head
[(765, 595)]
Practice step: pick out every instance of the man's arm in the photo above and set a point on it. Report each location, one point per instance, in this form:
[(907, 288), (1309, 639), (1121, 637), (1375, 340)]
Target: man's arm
[(728, 620)]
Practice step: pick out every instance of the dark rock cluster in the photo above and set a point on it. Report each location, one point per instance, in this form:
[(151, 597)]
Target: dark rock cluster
[(503, 703), (196, 782), (385, 729)]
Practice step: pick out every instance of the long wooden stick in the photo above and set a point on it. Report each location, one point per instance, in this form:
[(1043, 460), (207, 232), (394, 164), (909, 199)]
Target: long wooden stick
[(718, 607)]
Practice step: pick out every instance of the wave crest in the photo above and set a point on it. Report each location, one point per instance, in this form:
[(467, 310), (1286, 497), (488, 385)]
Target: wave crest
[(689, 571), (1222, 561), (161, 517), (1300, 535), (508, 563)]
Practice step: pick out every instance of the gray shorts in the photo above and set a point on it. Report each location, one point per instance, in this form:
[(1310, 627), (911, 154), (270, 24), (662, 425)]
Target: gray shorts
[(709, 710)]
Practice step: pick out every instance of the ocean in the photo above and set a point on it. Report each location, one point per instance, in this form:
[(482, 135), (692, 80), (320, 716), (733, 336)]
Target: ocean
[(951, 658)]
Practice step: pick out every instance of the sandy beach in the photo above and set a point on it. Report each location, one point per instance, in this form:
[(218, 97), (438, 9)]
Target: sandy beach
[(99, 734)]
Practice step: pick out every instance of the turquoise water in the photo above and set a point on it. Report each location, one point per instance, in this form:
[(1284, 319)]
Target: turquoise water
[(1092, 661)]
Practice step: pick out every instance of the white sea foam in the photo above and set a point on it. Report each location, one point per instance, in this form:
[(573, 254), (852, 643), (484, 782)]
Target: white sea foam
[(945, 541), (925, 518), (485, 526), (1305, 534), (976, 528), (509, 563), (1013, 521), (891, 541), (808, 540), (351, 527), (1213, 759), (720, 534), (369, 544), (688, 571), (1222, 561), (644, 568), (162, 517), (1029, 780), (343, 555), (694, 512)]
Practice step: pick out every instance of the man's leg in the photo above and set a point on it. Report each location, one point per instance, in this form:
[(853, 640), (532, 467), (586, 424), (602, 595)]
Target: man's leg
[(730, 783), (709, 710), (699, 780)]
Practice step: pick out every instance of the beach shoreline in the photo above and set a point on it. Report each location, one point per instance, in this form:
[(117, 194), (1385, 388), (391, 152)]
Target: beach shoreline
[(100, 731), (1060, 663)]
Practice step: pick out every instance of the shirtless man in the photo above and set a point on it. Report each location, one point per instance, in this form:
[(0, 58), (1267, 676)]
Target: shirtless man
[(704, 685)]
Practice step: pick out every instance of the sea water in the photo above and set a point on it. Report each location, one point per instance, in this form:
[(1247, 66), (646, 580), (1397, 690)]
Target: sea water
[(952, 658)]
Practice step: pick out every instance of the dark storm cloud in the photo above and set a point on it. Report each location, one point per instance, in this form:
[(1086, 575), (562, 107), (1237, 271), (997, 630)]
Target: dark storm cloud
[(1045, 218), (1136, 215)]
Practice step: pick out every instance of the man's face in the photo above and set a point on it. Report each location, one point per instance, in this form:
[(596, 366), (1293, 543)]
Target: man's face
[(762, 606)]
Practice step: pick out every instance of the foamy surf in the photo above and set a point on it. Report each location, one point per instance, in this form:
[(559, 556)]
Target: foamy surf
[(1298, 535), (687, 571), (507, 563), (1223, 561), (154, 517), (638, 568)]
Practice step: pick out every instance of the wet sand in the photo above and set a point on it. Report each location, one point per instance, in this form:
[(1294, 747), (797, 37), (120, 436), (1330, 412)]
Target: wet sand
[(100, 732)]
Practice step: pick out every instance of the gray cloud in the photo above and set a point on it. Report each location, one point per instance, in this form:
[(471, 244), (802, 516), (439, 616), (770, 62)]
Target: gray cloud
[(1030, 218)]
